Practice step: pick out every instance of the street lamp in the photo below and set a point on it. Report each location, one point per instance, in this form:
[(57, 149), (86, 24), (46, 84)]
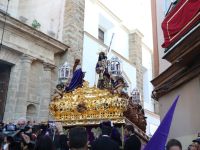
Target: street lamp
[(114, 66), (135, 96), (64, 73)]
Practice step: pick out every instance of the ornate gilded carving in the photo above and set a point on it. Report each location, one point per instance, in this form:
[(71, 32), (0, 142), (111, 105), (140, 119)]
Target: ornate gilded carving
[(88, 105)]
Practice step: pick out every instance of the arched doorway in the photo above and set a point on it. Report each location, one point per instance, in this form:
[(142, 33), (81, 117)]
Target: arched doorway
[(31, 112)]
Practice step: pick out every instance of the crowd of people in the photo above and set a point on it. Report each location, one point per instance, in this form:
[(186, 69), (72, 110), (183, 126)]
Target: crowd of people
[(174, 144), (32, 136)]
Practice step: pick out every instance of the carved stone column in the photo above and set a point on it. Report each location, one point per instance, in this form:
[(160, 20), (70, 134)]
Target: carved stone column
[(73, 29), (45, 92), (22, 94), (135, 57)]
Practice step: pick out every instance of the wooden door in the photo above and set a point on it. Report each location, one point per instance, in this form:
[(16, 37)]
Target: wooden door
[(4, 81)]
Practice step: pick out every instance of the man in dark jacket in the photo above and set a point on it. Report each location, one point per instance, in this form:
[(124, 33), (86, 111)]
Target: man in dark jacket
[(104, 142), (78, 139), (132, 142)]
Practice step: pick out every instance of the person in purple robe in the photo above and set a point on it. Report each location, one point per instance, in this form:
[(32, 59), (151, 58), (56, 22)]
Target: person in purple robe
[(77, 78)]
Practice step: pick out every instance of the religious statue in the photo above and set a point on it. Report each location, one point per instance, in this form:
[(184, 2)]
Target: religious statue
[(58, 92), (141, 118), (90, 104), (118, 85), (132, 113), (102, 70), (77, 78)]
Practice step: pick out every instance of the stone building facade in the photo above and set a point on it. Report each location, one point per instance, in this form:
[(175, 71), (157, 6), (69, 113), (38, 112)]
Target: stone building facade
[(32, 59), (73, 28)]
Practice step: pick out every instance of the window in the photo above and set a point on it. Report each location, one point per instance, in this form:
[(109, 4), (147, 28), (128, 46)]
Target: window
[(101, 35)]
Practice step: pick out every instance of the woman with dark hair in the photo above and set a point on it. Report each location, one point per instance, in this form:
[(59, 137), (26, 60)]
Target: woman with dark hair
[(44, 143), (77, 79), (173, 144)]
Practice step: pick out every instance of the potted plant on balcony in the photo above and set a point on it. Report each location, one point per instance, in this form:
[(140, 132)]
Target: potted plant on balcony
[(35, 24)]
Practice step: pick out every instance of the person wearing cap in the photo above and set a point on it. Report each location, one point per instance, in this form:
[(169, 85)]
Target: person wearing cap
[(132, 142), (104, 142), (196, 143), (192, 147)]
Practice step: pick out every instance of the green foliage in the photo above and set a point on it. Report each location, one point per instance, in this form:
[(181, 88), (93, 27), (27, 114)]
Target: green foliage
[(36, 24)]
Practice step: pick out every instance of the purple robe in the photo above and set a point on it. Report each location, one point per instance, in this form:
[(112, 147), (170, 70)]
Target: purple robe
[(77, 80)]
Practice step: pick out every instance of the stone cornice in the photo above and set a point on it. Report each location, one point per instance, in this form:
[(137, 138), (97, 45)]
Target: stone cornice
[(137, 32), (175, 76), (108, 10), (151, 113), (27, 58), (28, 30), (48, 66), (116, 18)]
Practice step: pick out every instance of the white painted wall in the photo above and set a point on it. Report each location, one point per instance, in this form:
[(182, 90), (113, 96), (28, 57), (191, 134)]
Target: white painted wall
[(130, 71), (91, 18), (95, 17), (160, 11), (49, 13), (147, 77), (153, 122), (90, 56), (185, 124)]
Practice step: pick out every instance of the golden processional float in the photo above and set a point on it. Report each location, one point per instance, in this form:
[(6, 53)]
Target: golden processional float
[(78, 104)]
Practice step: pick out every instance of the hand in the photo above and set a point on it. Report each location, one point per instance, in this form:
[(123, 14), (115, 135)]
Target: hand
[(26, 138), (59, 127)]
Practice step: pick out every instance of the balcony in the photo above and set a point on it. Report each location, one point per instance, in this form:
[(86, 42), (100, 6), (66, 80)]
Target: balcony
[(181, 29), (179, 21), (185, 64), (182, 43)]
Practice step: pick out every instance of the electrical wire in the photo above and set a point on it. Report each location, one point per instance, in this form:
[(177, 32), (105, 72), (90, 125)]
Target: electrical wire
[(4, 25)]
